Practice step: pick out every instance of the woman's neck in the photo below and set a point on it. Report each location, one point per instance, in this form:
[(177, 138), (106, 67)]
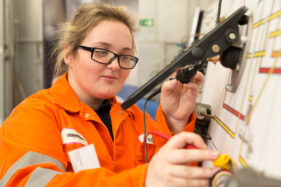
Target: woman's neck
[(95, 103), (83, 97)]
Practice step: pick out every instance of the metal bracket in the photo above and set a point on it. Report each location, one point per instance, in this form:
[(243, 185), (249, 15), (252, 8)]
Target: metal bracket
[(214, 43), (246, 35)]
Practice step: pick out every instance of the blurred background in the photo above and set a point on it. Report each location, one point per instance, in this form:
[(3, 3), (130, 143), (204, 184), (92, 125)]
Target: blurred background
[(28, 29)]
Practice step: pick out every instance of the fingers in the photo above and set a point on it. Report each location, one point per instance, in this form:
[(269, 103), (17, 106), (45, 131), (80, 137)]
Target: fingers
[(198, 182), (174, 75), (175, 182), (169, 166), (184, 171), (180, 155), (185, 156), (169, 86), (191, 86), (196, 81), (182, 139), (198, 78), (174, 86)]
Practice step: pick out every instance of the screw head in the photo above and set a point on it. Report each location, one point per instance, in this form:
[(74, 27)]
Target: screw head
[(232, 36), (197, 52), (216, 48)]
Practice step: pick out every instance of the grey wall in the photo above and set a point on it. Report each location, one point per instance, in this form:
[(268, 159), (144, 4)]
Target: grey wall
[(158, 44), (1, 61), (28, 33), (26, 29)]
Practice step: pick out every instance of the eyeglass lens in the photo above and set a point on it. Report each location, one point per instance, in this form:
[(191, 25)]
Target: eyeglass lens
[(104, 56)]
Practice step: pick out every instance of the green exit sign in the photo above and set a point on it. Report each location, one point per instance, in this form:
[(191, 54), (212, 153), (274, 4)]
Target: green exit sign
[(147, 22)]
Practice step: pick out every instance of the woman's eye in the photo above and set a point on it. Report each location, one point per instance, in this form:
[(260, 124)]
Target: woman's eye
[(125, 58), (128, 58), (101, 52)]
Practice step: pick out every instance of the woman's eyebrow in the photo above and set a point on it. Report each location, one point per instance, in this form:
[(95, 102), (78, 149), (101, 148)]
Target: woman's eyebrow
[(127, 49), (102, 44), (105, 44)]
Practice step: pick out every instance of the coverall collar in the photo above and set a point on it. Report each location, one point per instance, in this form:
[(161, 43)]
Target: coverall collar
[(64, 95)]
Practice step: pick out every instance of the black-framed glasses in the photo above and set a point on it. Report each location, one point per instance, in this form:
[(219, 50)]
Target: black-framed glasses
[(104, 56)]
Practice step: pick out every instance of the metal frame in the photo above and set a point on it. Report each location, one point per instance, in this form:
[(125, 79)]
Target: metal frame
[(214, 43), (245, 45)]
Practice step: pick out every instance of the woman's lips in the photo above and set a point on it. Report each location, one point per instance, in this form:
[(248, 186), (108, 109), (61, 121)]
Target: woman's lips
[(109, 78)]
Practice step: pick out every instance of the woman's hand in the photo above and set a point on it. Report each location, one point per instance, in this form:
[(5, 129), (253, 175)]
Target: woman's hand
[(178, 100), (169, 166)]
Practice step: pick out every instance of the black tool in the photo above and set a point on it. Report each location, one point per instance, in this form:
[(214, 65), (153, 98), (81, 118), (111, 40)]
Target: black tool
[(214, 43), (186, 73)]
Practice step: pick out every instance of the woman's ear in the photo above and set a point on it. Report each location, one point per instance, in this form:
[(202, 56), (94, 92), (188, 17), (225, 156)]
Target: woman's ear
[(68, 58)]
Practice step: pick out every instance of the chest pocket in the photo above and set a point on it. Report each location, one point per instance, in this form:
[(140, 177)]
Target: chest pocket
[(141, 154), (71, 140), (70, 147)]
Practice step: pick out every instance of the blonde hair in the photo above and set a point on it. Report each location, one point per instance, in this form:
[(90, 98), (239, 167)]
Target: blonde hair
[(87, 16)]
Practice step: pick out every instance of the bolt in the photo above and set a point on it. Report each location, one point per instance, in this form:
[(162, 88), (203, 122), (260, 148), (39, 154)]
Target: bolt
[(197, 52), (232, 36), (216, 48)]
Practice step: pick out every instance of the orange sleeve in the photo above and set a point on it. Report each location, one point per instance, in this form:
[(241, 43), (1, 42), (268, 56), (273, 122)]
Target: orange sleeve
[(102, 177), (30, 130), (191, 123)]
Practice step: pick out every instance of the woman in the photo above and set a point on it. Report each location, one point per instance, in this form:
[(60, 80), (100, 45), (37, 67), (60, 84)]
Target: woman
[(95, 54)]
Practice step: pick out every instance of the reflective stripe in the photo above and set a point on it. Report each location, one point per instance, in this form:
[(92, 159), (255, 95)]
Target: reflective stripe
[(41, 177), (30, 158)]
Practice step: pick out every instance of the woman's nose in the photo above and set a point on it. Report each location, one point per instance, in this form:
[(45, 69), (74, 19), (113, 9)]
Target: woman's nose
[(114, 64)]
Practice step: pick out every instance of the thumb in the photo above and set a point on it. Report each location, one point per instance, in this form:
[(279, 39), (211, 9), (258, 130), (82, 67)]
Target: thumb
[(182, 139)]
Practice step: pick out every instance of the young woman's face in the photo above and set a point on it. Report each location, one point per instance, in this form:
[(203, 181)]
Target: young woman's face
[(99, 80)]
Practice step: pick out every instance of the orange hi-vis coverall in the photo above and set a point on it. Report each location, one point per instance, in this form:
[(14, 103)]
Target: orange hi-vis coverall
[(37, 136)]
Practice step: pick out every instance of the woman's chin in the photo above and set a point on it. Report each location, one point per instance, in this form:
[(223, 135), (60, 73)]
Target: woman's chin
[(106, 96), (105, 93)]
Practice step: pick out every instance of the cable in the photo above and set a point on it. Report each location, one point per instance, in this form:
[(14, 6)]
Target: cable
[(144, 131), (206, 115), (157, 91), (164, 136), (184, 75), (219, 12)]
